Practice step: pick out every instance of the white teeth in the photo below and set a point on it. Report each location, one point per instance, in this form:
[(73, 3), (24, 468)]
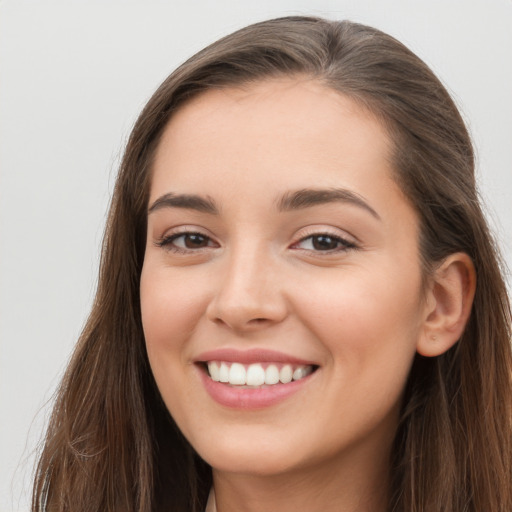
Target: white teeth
[(255, 375), (213, 369), (236, 374), (301, 372), (272, 374), (286, 374), (223, 372)]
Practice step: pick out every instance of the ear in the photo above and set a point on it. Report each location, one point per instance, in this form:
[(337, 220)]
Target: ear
[(448, 304)]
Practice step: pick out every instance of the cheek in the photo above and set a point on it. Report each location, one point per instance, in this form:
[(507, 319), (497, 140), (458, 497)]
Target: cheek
[(370, 329), (171, 307), (369, 321)]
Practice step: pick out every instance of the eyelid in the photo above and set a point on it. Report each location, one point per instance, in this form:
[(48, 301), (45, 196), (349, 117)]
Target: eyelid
[(184, 229), (165, 241), (322, 229), (348, 241)]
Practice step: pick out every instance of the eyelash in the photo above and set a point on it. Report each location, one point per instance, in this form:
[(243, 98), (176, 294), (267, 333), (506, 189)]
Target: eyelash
[(343, 244), (167, 242)]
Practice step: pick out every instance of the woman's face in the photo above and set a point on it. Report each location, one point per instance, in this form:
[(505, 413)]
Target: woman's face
[(279, 247)]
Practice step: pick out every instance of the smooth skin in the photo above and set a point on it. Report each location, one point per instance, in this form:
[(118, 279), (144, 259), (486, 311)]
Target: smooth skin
[(337, 282)]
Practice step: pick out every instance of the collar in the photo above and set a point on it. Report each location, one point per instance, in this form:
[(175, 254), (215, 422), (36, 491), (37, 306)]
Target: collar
[(211, 506)]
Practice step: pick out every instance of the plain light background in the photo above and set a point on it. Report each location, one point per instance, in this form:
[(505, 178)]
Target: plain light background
[(74, 75)]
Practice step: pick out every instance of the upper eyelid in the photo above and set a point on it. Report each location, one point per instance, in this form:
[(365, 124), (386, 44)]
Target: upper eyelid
[(171, 234), (324, 233), (167, 243), (186, 229), (346, 244), (303, 234), (178, 234), (310, 231)]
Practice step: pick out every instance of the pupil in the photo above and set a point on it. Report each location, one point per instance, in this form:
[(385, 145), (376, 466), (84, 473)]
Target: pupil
[(194, 241), (324, 242)]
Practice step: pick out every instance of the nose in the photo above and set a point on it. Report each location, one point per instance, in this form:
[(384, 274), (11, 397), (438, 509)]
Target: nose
[(249, 294)]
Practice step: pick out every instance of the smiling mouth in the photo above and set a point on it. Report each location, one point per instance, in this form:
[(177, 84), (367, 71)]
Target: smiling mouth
[(256, 375)]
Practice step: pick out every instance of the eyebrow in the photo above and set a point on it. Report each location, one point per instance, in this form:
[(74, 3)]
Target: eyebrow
[(296, 200), (306, 198), (187, 201)]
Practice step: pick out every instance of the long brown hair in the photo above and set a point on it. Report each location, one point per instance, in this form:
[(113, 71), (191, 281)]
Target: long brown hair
[(111, 444)]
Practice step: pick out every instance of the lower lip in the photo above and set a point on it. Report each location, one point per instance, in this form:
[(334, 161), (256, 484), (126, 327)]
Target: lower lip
[(247, 398)]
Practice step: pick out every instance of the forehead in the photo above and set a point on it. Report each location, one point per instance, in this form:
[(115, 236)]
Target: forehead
[(272, 135), (299, 106)]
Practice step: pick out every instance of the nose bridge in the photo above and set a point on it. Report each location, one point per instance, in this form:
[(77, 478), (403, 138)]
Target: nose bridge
[(248, 292)]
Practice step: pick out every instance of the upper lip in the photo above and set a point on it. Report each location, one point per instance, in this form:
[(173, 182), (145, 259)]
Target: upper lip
[(250, 356)]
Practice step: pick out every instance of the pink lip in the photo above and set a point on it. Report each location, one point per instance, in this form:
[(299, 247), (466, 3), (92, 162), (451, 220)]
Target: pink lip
[(247, 398), (250, 399), (250, 356)]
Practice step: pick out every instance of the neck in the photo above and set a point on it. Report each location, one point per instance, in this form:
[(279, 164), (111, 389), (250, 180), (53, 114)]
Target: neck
[(354, 484)]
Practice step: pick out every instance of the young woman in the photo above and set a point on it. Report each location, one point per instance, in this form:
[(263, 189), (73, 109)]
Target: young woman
[(300, 304)]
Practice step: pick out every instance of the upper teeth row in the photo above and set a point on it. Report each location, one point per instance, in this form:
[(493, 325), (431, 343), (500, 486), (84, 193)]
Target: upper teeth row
[(254, 374)]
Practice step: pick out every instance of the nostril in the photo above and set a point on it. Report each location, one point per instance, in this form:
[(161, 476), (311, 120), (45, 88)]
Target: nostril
[(246, 312), (257, 322)]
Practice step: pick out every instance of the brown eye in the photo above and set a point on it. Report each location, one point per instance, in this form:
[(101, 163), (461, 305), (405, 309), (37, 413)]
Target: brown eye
[(193, 240), (325, 242), (188, 241)]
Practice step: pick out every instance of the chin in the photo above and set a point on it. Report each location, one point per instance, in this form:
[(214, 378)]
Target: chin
[(259, 458), (253, 465)]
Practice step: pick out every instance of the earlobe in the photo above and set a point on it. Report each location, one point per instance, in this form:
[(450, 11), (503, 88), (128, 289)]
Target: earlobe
[(448, 304)]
